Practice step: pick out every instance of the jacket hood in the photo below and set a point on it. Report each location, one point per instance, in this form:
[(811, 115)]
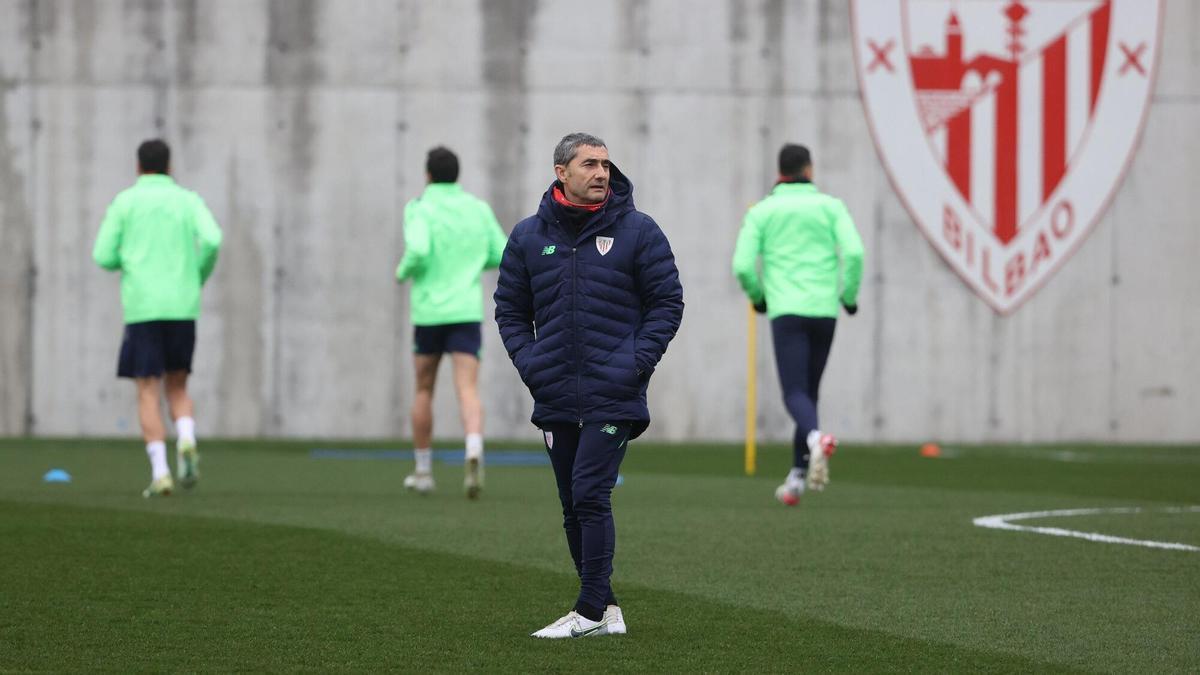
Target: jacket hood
[(620, 202)]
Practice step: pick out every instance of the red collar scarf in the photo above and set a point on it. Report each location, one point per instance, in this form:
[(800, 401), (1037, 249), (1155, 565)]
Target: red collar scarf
[(562, 200)]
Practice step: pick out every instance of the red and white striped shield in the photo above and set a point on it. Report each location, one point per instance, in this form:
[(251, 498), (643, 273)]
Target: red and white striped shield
[(1006, 125)]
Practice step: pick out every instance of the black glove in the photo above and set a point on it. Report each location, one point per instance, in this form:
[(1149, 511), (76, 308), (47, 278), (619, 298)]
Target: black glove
[(761, 306), (850, 309)]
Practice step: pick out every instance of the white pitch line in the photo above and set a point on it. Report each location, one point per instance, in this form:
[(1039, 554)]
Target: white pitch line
[(1001, 522)]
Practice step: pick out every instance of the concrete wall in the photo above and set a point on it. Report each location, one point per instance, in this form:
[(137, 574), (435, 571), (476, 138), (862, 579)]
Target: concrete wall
[(304, 125)]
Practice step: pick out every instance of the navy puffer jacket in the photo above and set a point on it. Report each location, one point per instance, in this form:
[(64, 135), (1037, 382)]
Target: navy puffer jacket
[(586, 316)]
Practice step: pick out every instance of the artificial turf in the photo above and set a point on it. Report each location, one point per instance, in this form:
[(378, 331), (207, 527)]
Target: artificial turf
[(279, 561)]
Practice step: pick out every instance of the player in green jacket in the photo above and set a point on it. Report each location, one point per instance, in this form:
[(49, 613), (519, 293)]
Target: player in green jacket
[(450, 237), (164, 242), (812, 261)]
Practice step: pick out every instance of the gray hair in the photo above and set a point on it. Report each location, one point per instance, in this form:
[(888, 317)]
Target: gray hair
[(568, 147)]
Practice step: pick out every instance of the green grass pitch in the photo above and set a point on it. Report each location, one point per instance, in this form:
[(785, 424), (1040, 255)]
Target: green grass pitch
[(284, 562)]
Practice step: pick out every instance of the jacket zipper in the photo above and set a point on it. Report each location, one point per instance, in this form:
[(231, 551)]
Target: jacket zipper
[(575, 337)]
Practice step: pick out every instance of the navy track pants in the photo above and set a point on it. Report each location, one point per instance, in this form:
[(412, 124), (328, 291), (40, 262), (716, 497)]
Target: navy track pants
[(801, 349), (586, 461)]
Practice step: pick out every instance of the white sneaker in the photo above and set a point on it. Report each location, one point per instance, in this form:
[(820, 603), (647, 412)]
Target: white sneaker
[(419, 482), (473, 481), (574, 626), (818, 462), (790, 492), (616, 620)]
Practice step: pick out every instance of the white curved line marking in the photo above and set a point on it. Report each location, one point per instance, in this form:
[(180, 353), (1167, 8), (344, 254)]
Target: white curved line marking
[(1001, 522)]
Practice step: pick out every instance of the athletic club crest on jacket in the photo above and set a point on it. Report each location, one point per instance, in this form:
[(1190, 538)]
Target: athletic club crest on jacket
[(1006, 125), (604, 244)]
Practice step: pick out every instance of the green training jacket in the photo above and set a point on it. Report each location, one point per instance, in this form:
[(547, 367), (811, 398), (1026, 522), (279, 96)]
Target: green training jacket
[(450, 237), (799, 232), (164, 241)]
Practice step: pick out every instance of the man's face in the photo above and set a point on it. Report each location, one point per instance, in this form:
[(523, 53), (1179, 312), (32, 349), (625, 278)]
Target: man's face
[(585, 177)]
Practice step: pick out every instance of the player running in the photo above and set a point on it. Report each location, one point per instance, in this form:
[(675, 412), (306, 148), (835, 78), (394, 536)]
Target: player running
[(164, 242), (450, 237), (799, 232)]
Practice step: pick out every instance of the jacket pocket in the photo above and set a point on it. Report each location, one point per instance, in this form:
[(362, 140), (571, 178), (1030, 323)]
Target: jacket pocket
[(628, 363), (525, 362)]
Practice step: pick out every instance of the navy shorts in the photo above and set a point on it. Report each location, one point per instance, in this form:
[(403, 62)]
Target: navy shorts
[(151, 348), (450, 337)]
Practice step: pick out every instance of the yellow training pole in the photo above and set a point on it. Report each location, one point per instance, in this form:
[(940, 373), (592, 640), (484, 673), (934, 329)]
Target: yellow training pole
[(751, 389)]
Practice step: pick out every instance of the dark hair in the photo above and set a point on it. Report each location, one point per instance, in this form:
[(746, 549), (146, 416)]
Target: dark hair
[(568, 147), (154, 156), (442, 165), (793, 159)]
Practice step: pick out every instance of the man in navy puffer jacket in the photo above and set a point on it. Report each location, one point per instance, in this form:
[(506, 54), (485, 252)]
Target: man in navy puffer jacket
[(587, 301)]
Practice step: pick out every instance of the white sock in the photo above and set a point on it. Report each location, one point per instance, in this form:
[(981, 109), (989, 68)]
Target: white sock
[(814, 440), (424, 460), (796, 475), (157, 451), (475, 446), (186, 428)]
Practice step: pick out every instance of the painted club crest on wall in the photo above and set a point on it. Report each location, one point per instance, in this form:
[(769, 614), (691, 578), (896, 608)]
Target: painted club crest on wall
[(1006, 125)]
